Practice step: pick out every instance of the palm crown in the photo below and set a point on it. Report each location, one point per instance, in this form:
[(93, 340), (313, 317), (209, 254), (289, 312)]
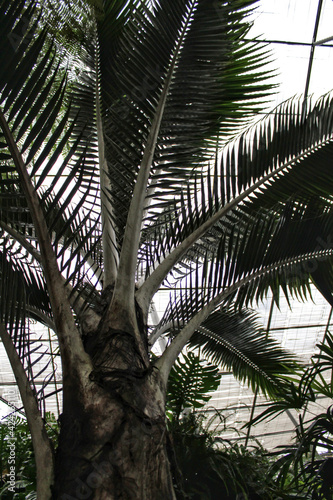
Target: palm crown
[(138, 132), (118, 175)]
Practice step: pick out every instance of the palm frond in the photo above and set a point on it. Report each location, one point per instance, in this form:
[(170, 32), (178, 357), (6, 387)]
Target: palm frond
[(251, 177), (269, 252), (16, 300), (237, 342), (39, 122), (190, 382), (140, 62)]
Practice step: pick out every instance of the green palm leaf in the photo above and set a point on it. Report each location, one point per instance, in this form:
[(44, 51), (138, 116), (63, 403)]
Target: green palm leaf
[(237, 342), (129, 65), (270, 251), (39, 124), (19, 298), (190, 382)]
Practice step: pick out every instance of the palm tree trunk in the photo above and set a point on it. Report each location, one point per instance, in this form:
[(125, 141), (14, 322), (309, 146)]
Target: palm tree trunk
[(113, 435)]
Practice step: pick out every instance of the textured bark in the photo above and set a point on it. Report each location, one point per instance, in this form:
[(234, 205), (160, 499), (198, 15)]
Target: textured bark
[(113, 436)]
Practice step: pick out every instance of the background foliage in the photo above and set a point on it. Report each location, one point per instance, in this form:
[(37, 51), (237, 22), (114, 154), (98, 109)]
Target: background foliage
[(25, 467)]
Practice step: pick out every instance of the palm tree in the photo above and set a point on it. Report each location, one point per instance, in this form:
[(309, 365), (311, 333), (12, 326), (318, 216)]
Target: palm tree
[(113, 182)]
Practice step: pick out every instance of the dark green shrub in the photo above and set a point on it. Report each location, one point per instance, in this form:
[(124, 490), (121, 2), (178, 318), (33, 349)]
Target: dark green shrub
[(17, 463)]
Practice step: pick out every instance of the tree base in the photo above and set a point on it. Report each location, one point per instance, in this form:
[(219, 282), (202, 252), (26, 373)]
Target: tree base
[(114, 446)]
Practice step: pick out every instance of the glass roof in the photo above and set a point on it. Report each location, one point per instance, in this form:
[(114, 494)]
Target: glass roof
[(300, 35)]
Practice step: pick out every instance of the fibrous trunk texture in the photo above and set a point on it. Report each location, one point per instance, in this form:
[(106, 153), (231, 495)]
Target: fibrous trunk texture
[(112, 443)]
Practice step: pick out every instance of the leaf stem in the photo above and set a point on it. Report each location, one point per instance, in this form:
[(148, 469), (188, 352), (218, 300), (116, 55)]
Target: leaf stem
[(166, 360), (148, 289), (70, 342), (123, 298)]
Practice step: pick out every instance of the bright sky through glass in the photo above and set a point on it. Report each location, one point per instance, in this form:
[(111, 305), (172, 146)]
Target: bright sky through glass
[(288, 24)]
